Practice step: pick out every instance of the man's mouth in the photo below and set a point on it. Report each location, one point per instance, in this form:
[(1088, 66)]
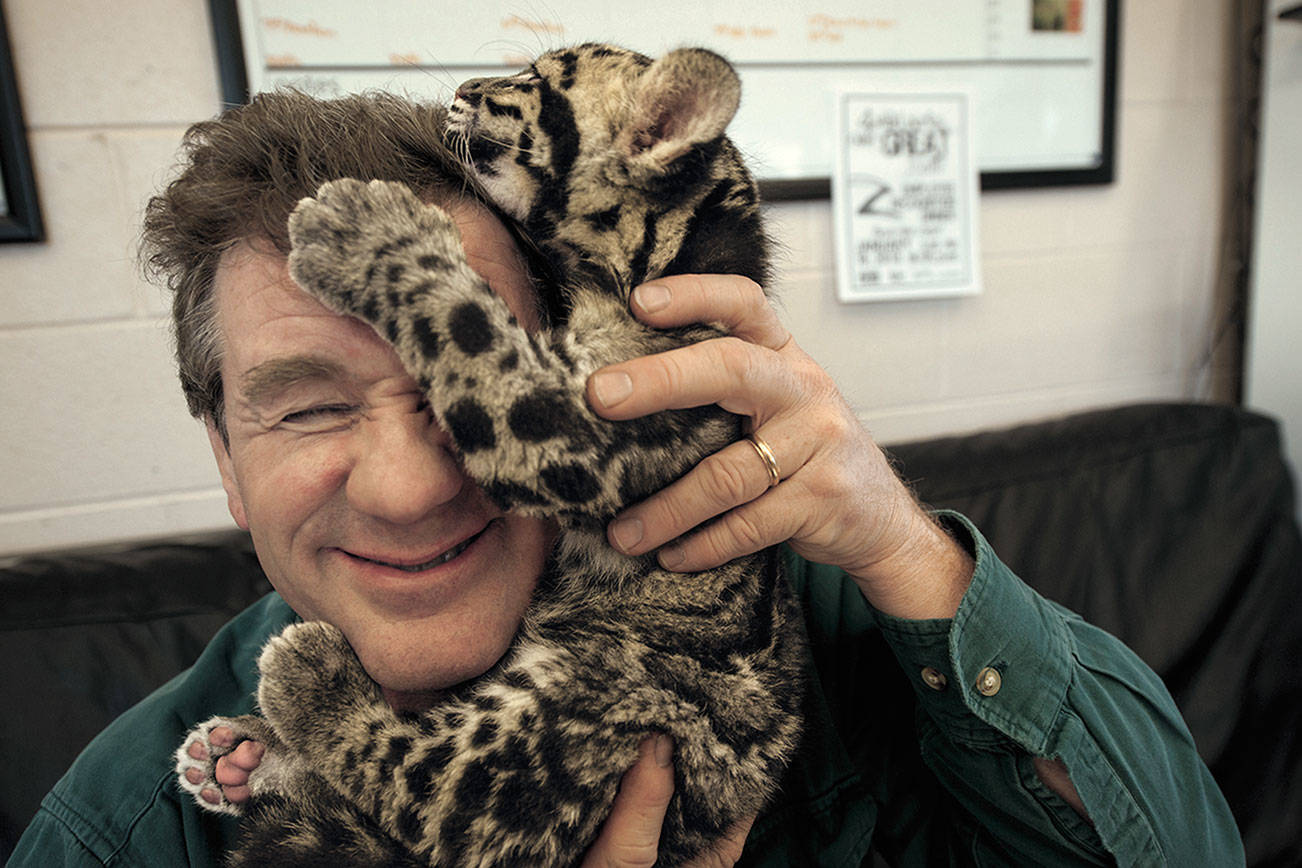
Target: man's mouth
[(426, 565)]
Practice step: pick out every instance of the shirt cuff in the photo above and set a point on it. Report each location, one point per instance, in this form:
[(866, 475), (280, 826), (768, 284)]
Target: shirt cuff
[(997, 673)]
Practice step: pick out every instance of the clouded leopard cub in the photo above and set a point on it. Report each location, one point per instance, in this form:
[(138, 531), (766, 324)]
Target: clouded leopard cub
[(617, 168)]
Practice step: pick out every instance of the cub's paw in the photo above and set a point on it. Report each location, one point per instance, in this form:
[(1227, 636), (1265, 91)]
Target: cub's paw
[(196, 760), (311, 682), (361, 248)]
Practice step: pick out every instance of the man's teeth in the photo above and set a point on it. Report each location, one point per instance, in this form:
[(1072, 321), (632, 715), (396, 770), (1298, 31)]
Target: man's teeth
[(441, 559)]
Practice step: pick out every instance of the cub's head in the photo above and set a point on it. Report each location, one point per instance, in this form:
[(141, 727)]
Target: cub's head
[(592, 115)]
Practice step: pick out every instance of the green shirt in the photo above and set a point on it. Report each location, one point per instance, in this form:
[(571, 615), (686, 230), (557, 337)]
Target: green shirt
[(930, 769)]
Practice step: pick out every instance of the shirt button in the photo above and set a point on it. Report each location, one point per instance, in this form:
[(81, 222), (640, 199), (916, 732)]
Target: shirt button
[(933, 678), (989, 681)]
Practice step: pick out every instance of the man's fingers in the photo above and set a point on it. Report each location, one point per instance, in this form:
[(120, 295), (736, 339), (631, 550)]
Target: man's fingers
[(737, 303), (727, 850), (733, 373), (731, 477), (631, 834), (744, 530), (740, 377)]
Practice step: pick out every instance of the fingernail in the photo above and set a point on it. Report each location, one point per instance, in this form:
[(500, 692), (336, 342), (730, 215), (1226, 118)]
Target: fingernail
[(612, 387), (664, 751), (671, 557), (627, 532), (651, 297)]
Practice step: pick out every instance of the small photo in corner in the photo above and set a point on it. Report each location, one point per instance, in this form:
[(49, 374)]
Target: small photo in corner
[(1062, 16)]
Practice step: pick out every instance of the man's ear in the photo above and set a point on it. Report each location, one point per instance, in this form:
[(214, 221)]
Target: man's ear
[(222, 452), (685, 98)]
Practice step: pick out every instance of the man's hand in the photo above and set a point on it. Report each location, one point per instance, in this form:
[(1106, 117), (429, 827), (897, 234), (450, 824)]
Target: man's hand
[(631, 836), (838, 501)]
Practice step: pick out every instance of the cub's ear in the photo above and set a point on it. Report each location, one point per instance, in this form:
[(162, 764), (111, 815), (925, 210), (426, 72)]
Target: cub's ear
[(683, 99)]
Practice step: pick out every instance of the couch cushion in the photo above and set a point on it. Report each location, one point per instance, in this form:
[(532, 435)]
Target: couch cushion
[(85, 635)]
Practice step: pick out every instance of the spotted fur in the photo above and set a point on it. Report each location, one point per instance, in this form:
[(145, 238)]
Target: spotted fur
[(617, 168)]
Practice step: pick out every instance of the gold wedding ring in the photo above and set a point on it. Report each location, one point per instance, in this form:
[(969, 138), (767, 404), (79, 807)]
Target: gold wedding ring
[(766, 455)]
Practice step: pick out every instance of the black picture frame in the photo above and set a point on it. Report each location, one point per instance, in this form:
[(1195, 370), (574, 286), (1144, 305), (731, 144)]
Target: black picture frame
[(20, 214), (235, 90), (1103, 173)]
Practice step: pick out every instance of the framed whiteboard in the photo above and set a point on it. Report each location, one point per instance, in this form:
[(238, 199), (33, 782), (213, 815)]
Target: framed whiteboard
[(20, 214), (1043, 72)]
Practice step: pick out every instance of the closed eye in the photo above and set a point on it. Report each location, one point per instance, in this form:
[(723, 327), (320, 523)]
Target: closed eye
[(321, 416)]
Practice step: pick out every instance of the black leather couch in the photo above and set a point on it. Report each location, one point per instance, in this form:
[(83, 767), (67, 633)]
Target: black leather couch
[(1172, 526)]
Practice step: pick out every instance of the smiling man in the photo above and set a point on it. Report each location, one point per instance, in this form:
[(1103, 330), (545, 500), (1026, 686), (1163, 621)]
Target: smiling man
[(358, 509), (954, 716)]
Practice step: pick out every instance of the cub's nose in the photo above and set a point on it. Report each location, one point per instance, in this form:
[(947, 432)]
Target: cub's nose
[(471, 91)]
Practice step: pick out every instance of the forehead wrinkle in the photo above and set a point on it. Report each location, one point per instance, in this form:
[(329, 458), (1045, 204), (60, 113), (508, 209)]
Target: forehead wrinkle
[(264, 381)]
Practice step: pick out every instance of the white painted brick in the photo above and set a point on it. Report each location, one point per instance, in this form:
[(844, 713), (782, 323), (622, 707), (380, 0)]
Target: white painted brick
[(93, 413), (822, 240), (878, 353), (1209, 58), (1204, 310), (802, 232), (1027, 221), (1154, 41), (1175, 50), (113, 521), (1170, 173), (144, 159), (94, 63), (1068, 320), (85, 269)]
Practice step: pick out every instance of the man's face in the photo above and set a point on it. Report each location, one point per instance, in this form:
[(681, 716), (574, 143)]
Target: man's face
[(360, 514)]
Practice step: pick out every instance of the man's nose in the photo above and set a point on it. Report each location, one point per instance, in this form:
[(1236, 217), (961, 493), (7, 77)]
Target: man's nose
[(402, 469)]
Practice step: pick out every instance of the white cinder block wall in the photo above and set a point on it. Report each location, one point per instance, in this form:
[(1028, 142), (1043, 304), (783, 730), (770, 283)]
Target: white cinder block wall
[(1093, 296)]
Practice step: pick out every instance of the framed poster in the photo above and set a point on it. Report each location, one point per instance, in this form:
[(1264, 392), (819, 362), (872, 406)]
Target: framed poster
[(904, 196), (1043, 72), (20, 216)]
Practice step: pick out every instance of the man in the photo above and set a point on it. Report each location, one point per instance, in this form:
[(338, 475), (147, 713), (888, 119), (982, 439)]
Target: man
[(955, 715)]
